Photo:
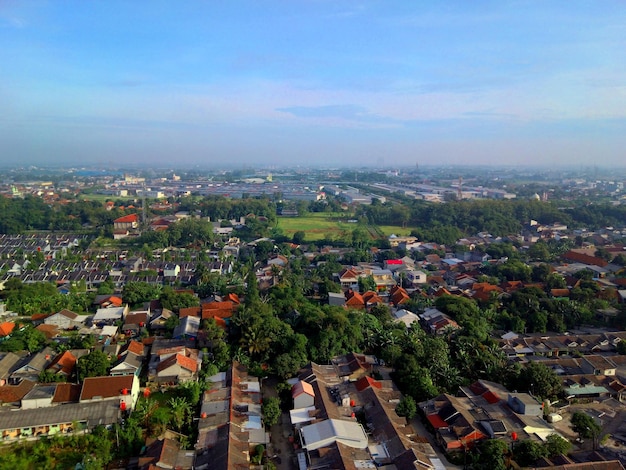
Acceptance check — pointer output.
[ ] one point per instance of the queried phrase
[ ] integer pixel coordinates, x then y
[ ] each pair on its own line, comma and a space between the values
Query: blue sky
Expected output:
311, 82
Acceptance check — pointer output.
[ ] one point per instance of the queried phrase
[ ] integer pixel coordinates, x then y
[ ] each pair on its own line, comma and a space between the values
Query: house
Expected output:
165, 453
349, 279
6, 328
177, 368
13, 394
31, 370
330, 431
436, 322
406, 317
303, 395
50, 331
126, 222
354, 300
110, 315
64, 320
159, 319
398, 296
128, 364
63, 364
597, 365
383, 278
123, 389
187, 328
8, 364
416, 277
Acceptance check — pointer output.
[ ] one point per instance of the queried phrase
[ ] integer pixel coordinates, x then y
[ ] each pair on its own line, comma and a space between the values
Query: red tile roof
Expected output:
585, 259
365, 382
183, 361
66, 393
64, 363
135, 347
302, 387
189, 312
14, 393
105, 387
6, 328
127, 219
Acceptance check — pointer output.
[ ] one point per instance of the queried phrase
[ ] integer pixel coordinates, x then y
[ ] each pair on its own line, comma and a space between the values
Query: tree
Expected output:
298, 237
586, 426
94, 364
271, 411
555, 445
407, 407
181, 411
491, 455
540, 380
527, 452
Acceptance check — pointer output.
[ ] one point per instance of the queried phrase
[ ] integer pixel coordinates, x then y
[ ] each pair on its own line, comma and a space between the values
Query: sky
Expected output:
313, 82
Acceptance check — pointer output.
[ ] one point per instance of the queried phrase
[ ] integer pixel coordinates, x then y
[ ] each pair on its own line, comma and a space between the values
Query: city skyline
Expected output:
284, 83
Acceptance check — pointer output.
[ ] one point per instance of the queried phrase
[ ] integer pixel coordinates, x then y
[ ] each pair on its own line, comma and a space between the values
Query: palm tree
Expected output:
180, 411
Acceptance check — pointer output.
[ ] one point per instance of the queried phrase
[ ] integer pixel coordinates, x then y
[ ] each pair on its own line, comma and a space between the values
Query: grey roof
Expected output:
41, 391
8, 364
101, 412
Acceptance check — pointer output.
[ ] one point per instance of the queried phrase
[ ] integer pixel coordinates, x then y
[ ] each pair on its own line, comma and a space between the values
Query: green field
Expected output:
320, 225
103, 197
399, 231
317, 225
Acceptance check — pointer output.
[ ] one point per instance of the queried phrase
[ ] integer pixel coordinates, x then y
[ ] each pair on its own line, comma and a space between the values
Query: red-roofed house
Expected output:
177, 369
126, 222
6, 328
584, 259
63, 364
124, 388
354, 299
365, 382
303, 395
398, 295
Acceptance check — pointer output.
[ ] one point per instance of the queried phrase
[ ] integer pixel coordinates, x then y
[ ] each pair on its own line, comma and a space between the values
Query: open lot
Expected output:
319, 225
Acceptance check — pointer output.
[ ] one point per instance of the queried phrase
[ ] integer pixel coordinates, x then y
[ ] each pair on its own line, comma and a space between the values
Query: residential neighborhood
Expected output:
190, 346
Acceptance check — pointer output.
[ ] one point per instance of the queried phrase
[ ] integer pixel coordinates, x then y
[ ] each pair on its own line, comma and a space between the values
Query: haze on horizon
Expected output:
313, 82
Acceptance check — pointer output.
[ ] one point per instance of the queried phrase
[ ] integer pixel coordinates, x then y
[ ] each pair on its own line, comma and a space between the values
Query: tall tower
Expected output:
459, 193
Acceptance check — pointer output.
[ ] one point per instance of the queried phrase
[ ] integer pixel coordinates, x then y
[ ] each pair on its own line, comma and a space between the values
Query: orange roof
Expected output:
371, 297
135, 347
585, 259
189, 312
365, 382
233, 298
39, 316
354, 299
127, 219
63, 364
302, 387
180, 359
49, 330
14, 393
218, 305
6, 328
105, 387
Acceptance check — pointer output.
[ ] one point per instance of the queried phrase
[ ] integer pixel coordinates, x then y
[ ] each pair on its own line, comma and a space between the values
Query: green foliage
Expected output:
527, 452
26, 338
137, 292
490, 455
271, 411
585, 425
540, 380
555, 445
94, 364
407, 407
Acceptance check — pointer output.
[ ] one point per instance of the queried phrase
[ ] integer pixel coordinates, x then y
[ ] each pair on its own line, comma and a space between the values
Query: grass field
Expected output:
319, 225
400, 231
316, 225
